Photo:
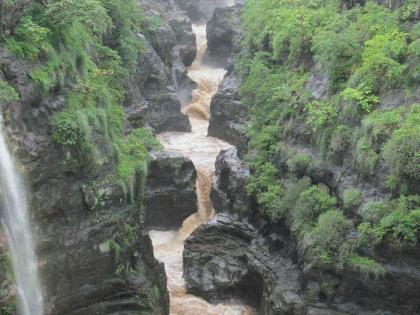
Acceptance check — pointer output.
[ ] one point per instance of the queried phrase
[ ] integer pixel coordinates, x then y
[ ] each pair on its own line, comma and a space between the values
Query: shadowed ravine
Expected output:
202, 150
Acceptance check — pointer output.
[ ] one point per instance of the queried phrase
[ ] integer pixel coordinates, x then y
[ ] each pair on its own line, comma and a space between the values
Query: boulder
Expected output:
170, 194
229, 258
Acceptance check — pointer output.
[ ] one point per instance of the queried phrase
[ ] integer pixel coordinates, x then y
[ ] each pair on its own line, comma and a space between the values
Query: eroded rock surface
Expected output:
241, 255
95, 256
170, 195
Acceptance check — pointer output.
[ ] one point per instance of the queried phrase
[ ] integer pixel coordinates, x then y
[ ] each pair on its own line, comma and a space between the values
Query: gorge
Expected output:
192, 157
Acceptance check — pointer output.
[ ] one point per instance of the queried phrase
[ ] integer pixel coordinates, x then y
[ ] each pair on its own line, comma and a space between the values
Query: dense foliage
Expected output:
363, 53
86, 50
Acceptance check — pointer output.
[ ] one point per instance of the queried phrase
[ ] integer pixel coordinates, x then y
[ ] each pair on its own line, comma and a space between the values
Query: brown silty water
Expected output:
202, 150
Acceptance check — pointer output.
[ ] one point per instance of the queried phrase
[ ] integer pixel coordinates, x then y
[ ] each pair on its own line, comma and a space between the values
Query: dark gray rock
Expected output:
200, 10
228, 115
228, 257
228, 193
224, 33
170, 195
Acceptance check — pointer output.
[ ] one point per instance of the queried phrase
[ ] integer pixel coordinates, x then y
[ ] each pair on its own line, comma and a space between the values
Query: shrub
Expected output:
381, 59
299, 165
379, 125
362, 96
367, 267
340, 140
352, 199
321, 114
7, 92
310, 204
30, 40
402, 152
328, 236
366, 158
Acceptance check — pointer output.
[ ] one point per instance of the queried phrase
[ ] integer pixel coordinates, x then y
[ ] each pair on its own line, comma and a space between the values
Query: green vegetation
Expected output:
366, 52
7, 92
86, 50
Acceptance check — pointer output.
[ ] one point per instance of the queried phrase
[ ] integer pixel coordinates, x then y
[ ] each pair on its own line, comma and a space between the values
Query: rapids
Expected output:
202, 150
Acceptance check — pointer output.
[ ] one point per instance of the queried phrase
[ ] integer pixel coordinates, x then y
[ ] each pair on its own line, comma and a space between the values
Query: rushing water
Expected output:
15, 220
202, 150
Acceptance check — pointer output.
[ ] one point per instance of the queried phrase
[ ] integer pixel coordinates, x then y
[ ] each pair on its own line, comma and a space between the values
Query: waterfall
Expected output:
15, 220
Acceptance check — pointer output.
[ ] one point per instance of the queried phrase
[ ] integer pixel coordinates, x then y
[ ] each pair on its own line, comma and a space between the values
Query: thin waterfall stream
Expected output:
16, 223
203, 151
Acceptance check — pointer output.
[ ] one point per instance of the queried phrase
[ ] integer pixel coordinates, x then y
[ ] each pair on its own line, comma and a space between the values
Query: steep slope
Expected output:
330, 224
84, 84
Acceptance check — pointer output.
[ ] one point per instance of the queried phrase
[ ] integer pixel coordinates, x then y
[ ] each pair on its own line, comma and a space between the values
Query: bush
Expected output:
367, 267
7, 92
321, 114
311, 203
326, 239
352, 199
402, 152
379, 125
30, 41
362, 96
299, 165
366, 158
395, 224
340, 140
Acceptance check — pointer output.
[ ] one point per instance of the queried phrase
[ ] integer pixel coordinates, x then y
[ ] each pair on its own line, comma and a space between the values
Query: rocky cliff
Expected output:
78, 152
254, 248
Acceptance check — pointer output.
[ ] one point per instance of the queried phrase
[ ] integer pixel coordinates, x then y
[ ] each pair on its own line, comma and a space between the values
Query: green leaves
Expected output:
30, 41
7, 92
320, 114
64, 14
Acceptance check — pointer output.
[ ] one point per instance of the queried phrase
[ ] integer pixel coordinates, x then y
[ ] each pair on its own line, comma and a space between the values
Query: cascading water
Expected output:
15, 220
202, 150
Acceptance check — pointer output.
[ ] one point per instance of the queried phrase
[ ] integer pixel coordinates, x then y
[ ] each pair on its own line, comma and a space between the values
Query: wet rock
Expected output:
228, 257
200, 10
94, 255
170, 195
228, 115
224, 33
164, 106
228, 193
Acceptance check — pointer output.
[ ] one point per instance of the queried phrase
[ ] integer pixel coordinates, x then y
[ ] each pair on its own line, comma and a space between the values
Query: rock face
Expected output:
228, 116
236, 254
94, 252
163, 81
201, 10
239, 254
228, 193
170, 195
223, 34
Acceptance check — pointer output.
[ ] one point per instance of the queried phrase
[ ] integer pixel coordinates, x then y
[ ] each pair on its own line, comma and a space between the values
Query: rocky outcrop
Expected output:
223, 35
228, 115
228, 193
170, 195
201, 10
239, 254
94, 253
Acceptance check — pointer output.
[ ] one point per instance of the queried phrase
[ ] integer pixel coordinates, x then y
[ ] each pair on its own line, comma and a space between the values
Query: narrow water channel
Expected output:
202, 150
